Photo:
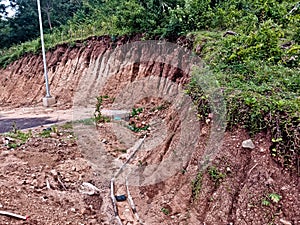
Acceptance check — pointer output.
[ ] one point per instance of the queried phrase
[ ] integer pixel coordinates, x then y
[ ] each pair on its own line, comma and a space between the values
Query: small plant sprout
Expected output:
216, 175
275, 197
165, 211
196, 186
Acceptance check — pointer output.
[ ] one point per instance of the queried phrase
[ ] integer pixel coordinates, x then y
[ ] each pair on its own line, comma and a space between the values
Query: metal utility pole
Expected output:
48, 100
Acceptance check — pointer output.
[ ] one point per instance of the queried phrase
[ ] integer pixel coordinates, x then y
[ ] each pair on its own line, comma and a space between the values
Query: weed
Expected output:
165, 211
275, 197
87, 121
196, 186
265, 202
215, 175
272, 197
136, 129
99, 118
46, 133
136, 111
19, 138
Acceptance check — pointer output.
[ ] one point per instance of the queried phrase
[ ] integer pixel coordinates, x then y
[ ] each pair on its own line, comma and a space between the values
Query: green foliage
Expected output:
272, 197
261, 86
265, 202
19, 138
197, 186
275, 197
99, 118
165, 211
46, 133
136, 111
136, 129
215, 175
260, 44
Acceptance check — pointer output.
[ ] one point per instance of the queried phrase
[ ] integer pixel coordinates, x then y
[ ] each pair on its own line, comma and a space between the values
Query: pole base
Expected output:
48, 101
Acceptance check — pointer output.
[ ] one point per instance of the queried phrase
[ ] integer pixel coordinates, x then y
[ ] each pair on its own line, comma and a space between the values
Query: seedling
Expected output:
216, 175
275, 197
136, 111
165, 211
99, 118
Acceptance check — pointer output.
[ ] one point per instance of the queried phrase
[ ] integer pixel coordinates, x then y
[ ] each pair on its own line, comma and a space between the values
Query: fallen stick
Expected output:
61, 183
5, 213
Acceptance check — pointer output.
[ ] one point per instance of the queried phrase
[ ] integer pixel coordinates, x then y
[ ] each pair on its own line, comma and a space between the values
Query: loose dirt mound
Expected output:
42, 179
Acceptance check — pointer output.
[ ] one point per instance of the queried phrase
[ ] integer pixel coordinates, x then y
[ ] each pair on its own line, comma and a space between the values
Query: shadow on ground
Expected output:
25, 123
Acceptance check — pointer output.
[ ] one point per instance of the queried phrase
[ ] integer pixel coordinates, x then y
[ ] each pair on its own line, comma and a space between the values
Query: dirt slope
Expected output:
241, 186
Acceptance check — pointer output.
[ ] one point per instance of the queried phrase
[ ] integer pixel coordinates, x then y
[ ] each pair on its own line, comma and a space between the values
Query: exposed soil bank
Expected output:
237, 188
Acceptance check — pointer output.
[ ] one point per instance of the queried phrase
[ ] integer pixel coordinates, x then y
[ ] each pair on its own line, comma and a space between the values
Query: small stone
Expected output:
248, 144
70, 145
85, 211
228, 169
203, 131
285, 222
73, 210
53, 135
261, 149
54, 173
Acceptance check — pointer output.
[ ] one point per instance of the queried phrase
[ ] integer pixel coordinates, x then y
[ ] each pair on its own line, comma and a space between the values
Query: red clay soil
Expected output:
42, 178
238, 197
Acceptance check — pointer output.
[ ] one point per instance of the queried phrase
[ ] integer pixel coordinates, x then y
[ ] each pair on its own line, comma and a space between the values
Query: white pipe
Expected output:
43, 50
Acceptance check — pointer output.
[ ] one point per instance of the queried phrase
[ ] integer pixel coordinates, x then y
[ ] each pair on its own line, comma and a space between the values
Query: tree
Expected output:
24, 25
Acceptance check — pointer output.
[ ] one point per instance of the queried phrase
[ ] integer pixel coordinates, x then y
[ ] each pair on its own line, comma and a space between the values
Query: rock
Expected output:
228, 170
53, 135
248, 144
73, 210
283, 221
54, 173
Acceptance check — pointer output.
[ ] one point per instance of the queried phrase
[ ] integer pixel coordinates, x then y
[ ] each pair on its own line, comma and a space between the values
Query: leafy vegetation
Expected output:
215, 175
16, 138
273, 197
196, 186
165, 211
99, 118
136, 111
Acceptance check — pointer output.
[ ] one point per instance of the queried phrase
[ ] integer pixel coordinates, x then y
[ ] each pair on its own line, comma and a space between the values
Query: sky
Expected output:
9, 10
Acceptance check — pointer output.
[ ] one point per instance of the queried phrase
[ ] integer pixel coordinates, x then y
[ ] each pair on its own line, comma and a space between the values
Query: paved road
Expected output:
25, 118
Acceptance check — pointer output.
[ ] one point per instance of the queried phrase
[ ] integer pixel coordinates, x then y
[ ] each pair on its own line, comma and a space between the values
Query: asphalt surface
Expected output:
26, 118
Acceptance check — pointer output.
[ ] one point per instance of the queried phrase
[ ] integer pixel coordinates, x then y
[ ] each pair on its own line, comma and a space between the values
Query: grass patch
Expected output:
261, 87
